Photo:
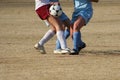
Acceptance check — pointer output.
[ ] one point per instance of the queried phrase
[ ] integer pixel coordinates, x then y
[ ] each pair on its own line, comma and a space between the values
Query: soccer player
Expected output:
42, 9
83, 12
66, 21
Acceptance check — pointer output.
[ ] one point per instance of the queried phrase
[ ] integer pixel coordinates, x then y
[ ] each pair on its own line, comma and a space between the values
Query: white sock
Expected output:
49, 34
47, 23
61, 38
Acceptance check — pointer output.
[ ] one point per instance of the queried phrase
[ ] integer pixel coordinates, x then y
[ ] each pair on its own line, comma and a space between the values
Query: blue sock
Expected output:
66, 34
80, 40
75, 40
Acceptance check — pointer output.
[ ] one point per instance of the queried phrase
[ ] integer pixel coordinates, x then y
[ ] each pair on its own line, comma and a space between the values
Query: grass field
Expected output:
20, 29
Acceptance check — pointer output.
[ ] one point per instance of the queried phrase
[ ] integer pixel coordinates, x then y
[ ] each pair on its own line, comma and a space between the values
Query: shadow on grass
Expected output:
108, 52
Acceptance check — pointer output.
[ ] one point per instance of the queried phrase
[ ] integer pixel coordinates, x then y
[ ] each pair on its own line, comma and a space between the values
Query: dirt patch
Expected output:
20, 29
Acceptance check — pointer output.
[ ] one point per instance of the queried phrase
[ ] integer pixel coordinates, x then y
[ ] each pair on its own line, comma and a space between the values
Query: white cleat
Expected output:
65, 51
62, 51
72, 51
40, 48
57, 51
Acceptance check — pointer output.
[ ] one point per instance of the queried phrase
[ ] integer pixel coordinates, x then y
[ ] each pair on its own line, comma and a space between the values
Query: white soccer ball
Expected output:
55, 10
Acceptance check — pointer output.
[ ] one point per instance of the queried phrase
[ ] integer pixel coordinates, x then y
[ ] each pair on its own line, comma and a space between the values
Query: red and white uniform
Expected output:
42, 8
39, 3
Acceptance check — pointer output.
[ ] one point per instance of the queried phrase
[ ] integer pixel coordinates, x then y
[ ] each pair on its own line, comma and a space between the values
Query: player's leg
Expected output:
43, 13
47, 23
86, 15
66, 33
66, 22
56, 22
78, 24
49, 34
58, 45
40, 45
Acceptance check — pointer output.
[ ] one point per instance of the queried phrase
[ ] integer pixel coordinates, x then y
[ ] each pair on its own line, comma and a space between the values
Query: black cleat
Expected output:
80, 48
76, 52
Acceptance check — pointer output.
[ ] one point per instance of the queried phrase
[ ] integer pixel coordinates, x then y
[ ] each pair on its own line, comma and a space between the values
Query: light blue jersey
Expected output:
82, 8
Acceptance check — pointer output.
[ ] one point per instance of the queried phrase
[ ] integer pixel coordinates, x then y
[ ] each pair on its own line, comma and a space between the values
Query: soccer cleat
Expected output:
71, 51
74, 52
40, 48
57, 51
65, 51
83, 46
62, 51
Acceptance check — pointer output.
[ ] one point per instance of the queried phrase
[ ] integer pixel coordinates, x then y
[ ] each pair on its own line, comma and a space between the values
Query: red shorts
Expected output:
43, 12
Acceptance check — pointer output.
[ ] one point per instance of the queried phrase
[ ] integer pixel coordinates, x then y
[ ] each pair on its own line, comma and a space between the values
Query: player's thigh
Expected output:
67, 23
79, 23
56, 22
53, 29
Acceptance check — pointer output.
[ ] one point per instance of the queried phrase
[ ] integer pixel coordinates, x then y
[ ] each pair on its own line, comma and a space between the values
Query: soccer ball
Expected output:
55, 10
